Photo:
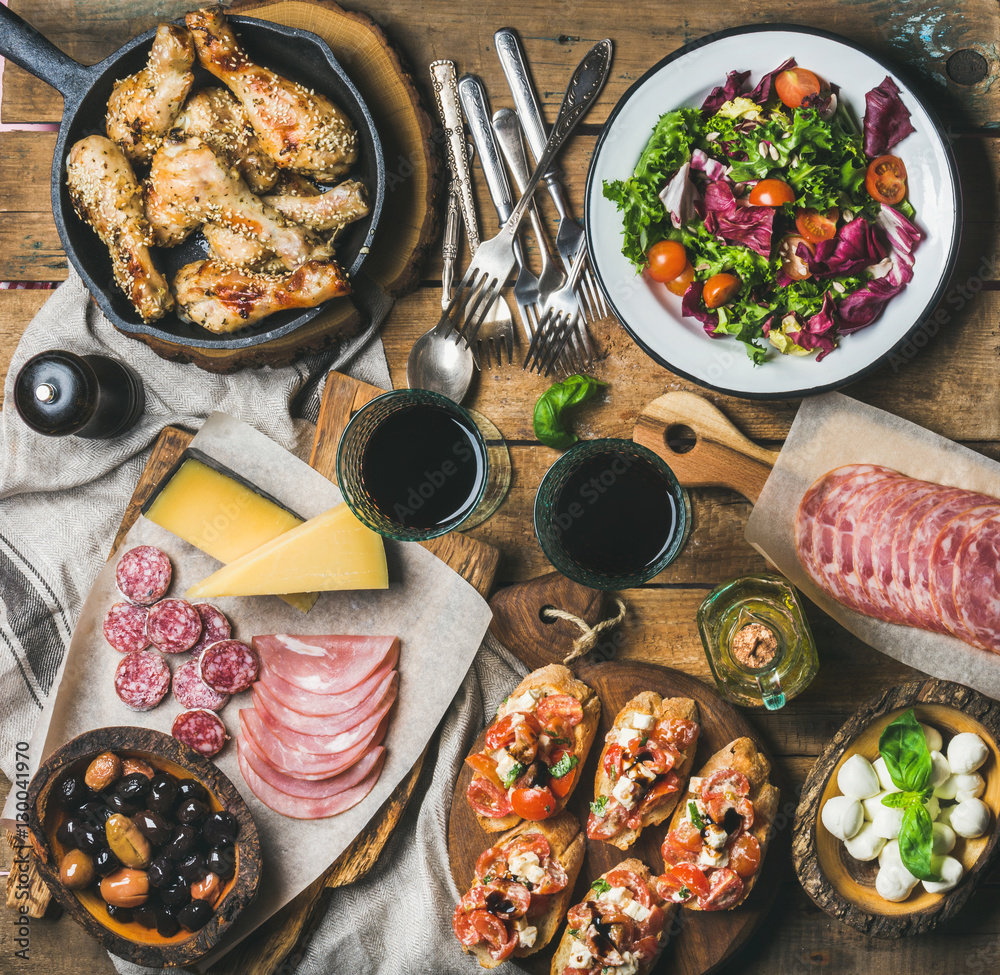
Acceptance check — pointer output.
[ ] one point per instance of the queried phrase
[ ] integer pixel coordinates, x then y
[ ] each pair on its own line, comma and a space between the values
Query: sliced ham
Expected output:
324, 664
307, 702
276, 715
303, 808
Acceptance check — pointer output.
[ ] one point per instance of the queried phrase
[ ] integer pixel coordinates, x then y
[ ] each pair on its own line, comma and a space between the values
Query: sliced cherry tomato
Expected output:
492, 863
791, 263
691, 876
659, 760
563, 786
507, 898
487, 799
485, 765
683, 844
680, 284
465, 931
473, 899
721, 288
744, 856
614, 760
771, 193
795, 84
616, 933
608, 825
620, 877
727, 781
498, 935
581, 915
534, 804
568, 710
727, 889
815, 226
666, 260
653, 924
886, 179
555, 879
646, 947
655, 796
678, 732
519, 737
529, 843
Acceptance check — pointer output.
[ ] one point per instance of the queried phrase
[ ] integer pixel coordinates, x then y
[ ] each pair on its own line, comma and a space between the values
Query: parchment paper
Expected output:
439, 617
830, 431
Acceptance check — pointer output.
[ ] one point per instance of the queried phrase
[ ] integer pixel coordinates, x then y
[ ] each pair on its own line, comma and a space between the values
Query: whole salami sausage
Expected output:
125, 627
214, 627
142, 680
228, 666
173, 625
201, 730
143, 575
192, 692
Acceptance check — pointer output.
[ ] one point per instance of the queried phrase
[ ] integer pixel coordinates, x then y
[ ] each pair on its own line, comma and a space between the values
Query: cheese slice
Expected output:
222, 517
331, 551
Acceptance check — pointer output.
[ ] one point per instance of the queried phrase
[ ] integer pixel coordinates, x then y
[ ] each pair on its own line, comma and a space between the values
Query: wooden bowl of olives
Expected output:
145, 843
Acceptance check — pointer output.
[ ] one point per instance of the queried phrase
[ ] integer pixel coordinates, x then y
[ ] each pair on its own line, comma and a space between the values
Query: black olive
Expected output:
162, 794
176, 895
90, 838
119, 804
64, 834
182, 843
94, 813
191, 811
123, 914
161, 872
195, 915
190, 789
105, 862
134, 787
153, 826
222, 861
220, 827
145, 915
167, 924
192, 868
73, 792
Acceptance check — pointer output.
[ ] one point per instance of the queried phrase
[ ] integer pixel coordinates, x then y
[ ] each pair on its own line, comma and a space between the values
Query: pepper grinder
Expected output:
59, 393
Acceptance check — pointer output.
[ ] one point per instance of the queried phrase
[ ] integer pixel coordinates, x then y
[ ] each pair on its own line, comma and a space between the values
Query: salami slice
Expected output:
125, 627
192, 692
201, 730
143, 575
142, 680
977, 583
174, 625
228, 666
214, 627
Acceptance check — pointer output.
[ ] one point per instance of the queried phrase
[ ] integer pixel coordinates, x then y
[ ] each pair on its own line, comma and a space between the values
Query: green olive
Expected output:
76, 870
126, 842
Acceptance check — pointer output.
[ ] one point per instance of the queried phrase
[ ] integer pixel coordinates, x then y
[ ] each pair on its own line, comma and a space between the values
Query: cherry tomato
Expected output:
520, 738
507, 898
563, 786
491, 863
771, 193
721, 288
655, 796
691, 876
685, 838
614, 760
727, 889
486, 766
794, 84
725, 781
566, 709
465, 931
487, 799
580, 915
720, 803
682, 282
608, 825
816, 227
533, 804
744, 856
659, 760
791, 263
622, 877
678, 732
501, 939
555, 879
473, 899
886, 179
666, 260
646, 948
528, 843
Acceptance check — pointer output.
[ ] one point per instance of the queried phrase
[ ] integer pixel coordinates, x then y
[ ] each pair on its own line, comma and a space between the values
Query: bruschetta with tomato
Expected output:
534, 750
715, 846
646, 759
620, 928
521, 891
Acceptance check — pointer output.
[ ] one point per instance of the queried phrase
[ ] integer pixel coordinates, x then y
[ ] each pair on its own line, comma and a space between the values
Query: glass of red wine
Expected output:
413, 465
610, 514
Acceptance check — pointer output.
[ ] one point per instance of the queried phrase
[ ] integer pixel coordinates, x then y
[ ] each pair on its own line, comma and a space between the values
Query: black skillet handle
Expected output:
23, 45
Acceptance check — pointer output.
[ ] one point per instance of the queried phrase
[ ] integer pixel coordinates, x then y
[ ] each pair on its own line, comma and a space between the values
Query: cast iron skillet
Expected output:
296, 54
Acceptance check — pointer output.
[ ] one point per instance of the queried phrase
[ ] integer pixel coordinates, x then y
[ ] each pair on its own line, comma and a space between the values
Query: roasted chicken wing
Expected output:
300, 129
143, 106
107, 196
223, 299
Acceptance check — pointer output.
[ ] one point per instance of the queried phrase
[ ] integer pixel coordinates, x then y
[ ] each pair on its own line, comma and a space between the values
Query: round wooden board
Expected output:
700, 942
845, 888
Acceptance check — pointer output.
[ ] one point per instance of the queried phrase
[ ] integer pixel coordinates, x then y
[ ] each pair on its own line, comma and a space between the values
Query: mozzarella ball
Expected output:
933, 807
933, 736
969, 785
890, 854
842, 816
947, 789
966, 752
943, 839
940, 770
894, 883
887, 822
857, 778
970, 818
872, 804
866, 844
883, 775
949, 870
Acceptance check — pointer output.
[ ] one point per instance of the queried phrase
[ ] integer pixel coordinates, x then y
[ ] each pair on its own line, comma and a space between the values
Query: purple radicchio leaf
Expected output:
824, 102
762, 92
820, 330
703, 163
749, 226
886, 119
678, 197
725, 93
855, 246
691, 307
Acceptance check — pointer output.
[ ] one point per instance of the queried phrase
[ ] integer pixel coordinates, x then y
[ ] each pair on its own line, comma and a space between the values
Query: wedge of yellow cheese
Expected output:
222, 517
332, 551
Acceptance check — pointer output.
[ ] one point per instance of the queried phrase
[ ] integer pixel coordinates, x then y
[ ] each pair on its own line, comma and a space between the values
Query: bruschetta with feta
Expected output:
534, 750
718, 836
521, 891
647, 756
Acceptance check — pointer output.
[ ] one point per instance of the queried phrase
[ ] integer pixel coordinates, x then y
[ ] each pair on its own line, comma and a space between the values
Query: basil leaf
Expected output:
513, 774
599, 807
600, 886
548, 420
897, 800
915, 841
904, 748
696, 819
565, 764
684, 893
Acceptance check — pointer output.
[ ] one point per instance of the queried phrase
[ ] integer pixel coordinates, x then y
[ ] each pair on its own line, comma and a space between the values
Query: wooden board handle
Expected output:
721, 456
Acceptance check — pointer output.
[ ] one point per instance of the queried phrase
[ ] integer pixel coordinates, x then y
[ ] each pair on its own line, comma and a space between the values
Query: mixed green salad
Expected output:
775, 218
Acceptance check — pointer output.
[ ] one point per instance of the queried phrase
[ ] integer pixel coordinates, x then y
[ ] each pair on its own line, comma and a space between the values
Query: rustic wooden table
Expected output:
949, 385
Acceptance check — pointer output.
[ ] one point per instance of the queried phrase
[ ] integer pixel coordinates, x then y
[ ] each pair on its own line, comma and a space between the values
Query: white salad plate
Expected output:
653, 316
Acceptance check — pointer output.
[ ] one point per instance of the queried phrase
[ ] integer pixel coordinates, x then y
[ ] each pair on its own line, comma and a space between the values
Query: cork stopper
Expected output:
754, 645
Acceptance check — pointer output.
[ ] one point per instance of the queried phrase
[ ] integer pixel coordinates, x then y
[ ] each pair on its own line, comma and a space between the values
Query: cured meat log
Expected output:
905, 551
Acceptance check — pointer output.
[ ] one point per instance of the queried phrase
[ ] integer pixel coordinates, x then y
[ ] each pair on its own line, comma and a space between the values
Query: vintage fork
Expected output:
558, 326
494, 260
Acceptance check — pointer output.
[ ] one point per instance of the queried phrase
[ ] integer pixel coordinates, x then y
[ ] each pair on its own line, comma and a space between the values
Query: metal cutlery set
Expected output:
554, 302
